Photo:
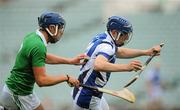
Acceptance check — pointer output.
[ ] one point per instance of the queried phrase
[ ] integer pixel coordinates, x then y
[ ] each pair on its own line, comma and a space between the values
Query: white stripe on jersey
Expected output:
98, 81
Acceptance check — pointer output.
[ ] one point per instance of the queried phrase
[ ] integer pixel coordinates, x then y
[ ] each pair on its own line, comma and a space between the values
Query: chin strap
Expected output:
117, 37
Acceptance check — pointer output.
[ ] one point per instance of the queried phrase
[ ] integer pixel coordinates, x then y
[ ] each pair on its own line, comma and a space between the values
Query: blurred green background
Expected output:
154, 21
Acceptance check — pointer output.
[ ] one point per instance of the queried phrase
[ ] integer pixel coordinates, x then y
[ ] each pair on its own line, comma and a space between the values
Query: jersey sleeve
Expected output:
38, 55
105, 49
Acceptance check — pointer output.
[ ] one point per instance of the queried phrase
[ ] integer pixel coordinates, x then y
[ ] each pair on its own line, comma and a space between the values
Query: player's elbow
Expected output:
41, 82
40, 85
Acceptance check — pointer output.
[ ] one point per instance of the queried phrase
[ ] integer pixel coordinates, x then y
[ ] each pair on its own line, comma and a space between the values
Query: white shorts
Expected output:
15, 102
96, 104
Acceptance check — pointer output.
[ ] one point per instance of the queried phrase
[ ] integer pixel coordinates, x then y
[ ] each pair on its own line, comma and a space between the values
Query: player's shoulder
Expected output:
105, 45
33, 38
101, 36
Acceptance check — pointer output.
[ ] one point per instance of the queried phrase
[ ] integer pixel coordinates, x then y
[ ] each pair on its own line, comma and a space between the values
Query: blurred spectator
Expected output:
4, 1
1, 108
136, 6
153, 84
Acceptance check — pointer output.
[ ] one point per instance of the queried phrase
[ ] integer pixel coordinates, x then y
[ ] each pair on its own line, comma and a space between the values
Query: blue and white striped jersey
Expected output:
102, 44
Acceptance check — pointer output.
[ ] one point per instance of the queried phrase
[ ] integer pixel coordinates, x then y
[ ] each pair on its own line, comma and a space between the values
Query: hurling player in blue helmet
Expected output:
29, 67
102, 52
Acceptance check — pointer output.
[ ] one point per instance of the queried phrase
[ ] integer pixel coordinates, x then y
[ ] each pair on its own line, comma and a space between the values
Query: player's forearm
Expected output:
101, 64
110, 67
51, 80
53, 59
131, 53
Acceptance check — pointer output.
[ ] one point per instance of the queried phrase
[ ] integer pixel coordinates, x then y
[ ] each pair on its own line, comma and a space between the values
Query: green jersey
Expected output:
31, 54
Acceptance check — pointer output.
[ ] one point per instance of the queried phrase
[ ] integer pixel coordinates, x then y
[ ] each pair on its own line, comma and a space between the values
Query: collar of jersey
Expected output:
41, 36
109, 37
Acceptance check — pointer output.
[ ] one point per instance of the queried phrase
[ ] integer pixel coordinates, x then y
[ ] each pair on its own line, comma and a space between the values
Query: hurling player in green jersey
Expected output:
29, 67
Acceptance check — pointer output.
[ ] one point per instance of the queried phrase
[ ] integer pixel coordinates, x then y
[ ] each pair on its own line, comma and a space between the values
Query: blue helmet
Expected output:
120, 24
50, 18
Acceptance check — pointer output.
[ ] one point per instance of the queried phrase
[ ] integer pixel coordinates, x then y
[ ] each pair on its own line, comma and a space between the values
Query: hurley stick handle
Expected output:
146, 63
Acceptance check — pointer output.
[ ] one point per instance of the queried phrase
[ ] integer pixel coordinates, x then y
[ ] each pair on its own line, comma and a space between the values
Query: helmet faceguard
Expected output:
52, 19
122, 26
130, 34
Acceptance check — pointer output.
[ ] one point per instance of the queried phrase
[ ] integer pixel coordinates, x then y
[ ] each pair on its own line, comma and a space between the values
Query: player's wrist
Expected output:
67, 78
68, 81
147, 52
70, 61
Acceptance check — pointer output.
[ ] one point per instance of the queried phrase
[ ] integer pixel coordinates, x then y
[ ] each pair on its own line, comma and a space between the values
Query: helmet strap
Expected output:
50, 35
111, 36
115, 39
56, 31
118, 36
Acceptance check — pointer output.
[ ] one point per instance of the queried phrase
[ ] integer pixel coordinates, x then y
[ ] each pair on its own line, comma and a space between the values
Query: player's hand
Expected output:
134, 65
72, 81
155, 49
79, 59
